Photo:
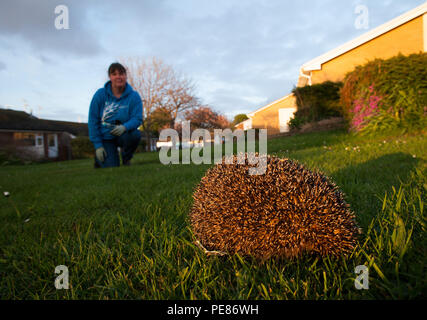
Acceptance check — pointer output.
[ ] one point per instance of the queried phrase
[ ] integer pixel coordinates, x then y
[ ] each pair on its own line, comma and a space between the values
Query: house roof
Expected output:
241, 122
20, 120
316, 63
268, 105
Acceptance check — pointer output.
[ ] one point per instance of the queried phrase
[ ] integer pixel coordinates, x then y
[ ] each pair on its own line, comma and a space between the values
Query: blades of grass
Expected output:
264, 290
122, 231
373, 264
79, 241
61, 244
325, 285
250, 291
88, 231
313, 264
142, 238
384, 202
406, 246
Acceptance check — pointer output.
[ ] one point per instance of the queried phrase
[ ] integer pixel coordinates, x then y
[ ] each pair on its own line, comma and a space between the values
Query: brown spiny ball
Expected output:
287, 211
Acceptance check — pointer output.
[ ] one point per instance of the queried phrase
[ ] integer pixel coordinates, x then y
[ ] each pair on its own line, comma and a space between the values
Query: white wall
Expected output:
285, 114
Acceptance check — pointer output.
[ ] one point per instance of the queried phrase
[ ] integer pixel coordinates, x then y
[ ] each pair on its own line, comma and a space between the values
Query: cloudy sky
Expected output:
242, 54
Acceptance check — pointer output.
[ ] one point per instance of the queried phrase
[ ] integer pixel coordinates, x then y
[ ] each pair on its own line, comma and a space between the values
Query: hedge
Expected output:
316, 102
385, 94
82, 147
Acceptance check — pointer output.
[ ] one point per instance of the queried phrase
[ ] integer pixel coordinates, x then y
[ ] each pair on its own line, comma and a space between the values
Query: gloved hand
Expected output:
100, 154
118, 130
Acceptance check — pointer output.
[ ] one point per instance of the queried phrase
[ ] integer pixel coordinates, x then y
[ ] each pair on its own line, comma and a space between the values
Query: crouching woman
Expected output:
115, 114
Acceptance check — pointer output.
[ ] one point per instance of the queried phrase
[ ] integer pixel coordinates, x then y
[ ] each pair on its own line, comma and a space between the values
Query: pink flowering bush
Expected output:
371, 113
386, 95
364, 109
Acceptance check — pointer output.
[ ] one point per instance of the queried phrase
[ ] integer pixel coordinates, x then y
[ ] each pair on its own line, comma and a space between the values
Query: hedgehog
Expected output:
286, 212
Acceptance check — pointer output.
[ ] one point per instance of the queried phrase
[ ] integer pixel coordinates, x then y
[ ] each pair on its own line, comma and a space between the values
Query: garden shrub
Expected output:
9, 155
385, 95
316, 102
82, 147
297, 121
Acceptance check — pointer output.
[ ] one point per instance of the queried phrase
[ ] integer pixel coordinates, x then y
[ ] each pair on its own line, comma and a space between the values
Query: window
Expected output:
28, 139
39, 141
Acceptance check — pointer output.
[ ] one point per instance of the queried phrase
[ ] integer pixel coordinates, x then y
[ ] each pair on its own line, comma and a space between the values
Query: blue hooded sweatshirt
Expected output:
106, 111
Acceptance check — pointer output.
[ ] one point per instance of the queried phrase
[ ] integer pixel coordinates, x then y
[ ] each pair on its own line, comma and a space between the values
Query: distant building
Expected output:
405, 34
274, 117
36, 138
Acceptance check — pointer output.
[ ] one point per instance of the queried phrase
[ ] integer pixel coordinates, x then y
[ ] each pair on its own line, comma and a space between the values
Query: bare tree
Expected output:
180, 97
160, 87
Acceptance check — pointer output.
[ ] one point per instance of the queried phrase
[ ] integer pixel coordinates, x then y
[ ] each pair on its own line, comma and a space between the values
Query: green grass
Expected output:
123, 232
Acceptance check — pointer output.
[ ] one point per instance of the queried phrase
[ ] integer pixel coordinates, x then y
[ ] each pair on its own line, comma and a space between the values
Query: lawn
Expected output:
123, 232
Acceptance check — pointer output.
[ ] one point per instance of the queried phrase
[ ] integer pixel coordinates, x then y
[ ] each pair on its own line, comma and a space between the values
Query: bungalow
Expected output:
405, 34
34, 138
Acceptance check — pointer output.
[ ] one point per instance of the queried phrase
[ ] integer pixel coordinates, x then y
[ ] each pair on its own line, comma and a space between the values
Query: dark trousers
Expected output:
128, 142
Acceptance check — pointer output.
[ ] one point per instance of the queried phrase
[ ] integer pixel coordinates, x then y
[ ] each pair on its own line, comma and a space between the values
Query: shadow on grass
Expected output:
366, 183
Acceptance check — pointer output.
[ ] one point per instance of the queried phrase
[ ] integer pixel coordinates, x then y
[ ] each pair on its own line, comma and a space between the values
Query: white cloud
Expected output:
242, 54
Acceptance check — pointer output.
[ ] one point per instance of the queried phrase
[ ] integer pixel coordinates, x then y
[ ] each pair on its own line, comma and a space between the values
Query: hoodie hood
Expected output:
128, 90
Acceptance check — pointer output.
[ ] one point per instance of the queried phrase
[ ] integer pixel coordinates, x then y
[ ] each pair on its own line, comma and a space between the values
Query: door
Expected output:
52, 140
285, 115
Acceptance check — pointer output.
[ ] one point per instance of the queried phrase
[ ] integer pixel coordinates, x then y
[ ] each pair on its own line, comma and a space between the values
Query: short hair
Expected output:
116, 66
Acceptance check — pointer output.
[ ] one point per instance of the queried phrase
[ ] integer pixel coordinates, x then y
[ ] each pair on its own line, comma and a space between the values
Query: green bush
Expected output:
9, 157
82, 147
297, 121
316, 102
385, 95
